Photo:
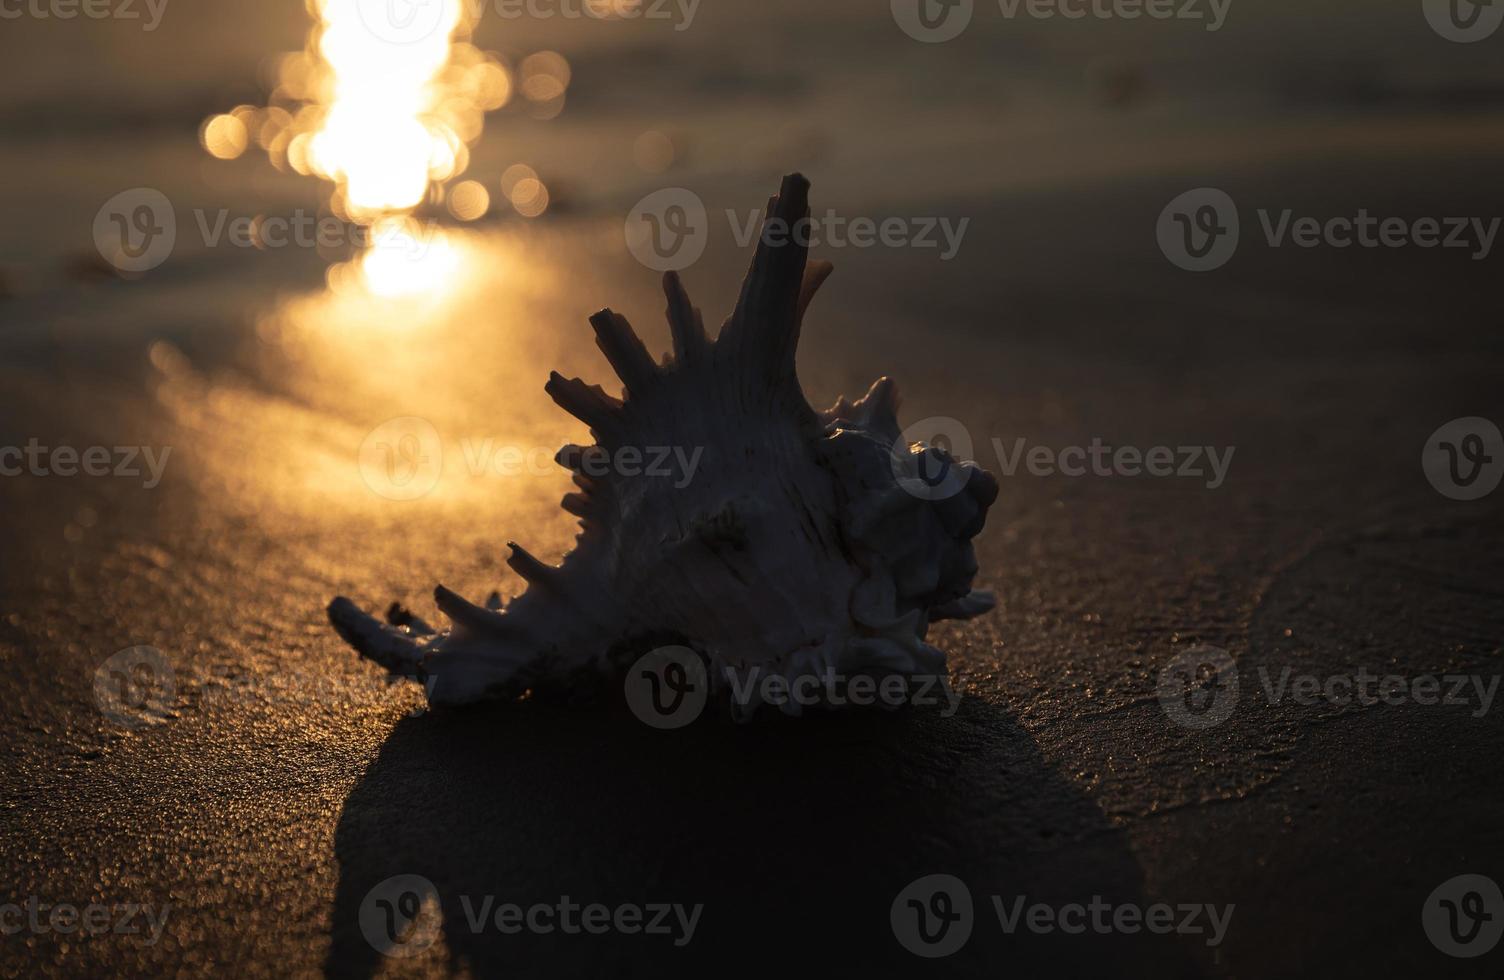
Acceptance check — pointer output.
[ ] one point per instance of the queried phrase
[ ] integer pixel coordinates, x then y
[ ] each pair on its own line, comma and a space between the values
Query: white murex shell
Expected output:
803, 543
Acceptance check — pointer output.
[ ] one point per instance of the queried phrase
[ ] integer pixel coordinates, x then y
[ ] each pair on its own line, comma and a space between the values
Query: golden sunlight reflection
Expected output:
224, 136
469, 200
530, 197
545, 79
384, 102
413, 381
524, 190
384, 137
406, 259
385, 110
331, 370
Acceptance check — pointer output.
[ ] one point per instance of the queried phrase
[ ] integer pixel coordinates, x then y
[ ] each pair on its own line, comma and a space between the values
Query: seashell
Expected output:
803, 543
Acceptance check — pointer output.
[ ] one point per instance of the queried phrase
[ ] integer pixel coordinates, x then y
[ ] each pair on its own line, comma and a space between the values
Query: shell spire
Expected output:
762, 333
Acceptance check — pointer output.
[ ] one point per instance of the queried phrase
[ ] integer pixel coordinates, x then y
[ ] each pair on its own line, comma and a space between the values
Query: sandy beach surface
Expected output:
284, 778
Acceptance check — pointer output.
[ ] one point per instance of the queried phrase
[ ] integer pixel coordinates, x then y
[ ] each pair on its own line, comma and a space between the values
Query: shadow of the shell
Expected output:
796, 835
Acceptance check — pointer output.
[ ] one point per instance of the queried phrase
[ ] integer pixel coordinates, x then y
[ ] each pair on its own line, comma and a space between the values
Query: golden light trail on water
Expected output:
384, 102
384, 139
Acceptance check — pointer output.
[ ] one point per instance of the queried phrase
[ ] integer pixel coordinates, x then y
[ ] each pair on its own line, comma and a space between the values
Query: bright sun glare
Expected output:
388, 117
405, 259
384, 138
